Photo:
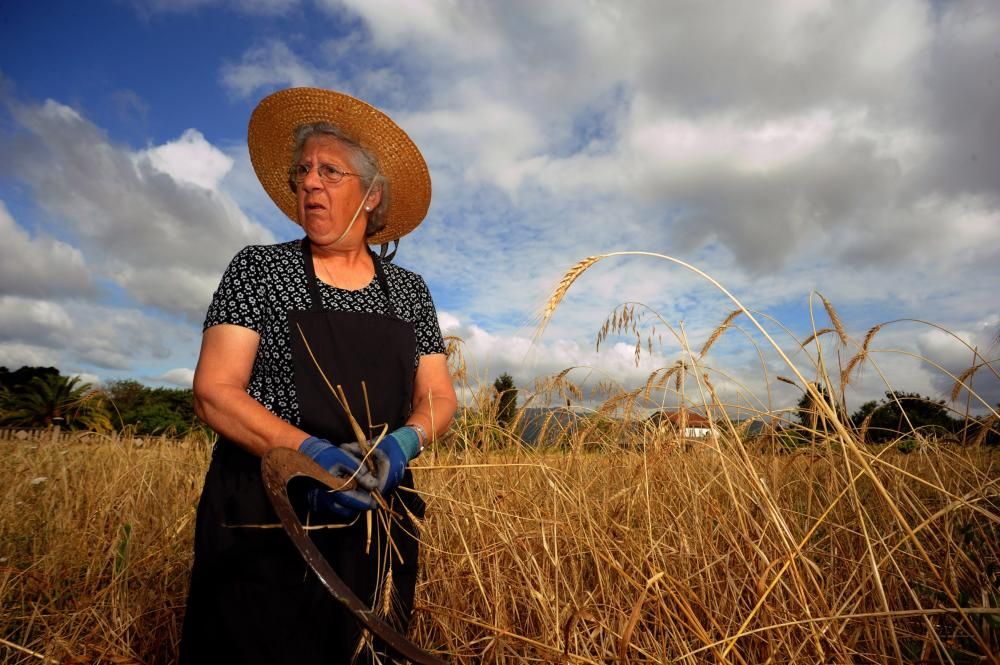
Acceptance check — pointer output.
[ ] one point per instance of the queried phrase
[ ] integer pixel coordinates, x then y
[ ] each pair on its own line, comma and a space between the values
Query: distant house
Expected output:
692, 424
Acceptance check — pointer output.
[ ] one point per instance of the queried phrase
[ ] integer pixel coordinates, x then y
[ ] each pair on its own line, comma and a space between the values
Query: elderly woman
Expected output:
286, 319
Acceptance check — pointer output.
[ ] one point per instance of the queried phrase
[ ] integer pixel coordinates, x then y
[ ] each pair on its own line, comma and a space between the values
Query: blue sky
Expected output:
782, 147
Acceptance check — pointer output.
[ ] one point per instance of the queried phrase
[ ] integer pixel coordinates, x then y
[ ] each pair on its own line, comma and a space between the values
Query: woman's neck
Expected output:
344, 268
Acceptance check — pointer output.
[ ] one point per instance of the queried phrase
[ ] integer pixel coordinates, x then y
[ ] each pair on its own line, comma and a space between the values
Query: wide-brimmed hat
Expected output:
271, 139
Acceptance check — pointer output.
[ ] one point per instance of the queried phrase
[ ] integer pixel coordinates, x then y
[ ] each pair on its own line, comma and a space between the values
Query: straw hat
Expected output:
271, 140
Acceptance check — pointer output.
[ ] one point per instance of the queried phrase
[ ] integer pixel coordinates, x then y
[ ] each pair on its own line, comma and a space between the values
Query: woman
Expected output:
286, 319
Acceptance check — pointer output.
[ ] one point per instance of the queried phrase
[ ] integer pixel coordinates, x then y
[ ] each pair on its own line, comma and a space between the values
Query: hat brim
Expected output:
271, 140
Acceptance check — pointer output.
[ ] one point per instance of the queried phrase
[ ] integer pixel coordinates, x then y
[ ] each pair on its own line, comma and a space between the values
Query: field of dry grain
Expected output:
613, 540
594, 553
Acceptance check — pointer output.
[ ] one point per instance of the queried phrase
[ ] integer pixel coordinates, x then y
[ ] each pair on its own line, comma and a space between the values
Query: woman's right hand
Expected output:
340, 464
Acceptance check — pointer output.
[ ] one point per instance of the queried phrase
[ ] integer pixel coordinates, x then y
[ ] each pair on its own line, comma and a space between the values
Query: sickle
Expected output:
278, 467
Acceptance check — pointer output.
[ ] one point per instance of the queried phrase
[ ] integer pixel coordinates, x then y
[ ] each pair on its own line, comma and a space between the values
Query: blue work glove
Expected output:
391, 456
340, 464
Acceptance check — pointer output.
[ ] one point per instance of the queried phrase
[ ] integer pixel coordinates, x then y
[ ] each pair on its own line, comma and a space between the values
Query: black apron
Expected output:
252, 597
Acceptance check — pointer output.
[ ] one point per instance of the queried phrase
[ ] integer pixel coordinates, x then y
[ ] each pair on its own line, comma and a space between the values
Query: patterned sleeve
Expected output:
239, 300
426, 326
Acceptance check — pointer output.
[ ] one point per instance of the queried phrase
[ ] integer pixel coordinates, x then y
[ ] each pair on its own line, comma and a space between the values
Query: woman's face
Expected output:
325, 208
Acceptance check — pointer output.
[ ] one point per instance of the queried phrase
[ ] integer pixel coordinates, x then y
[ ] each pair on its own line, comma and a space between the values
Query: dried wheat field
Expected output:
595, 553
613, 539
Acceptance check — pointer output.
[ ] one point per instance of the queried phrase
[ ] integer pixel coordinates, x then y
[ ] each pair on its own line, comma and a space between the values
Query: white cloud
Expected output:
433, 25
489, 135
77, 334
782, 146
163, 240
40, 266
179, 376
674, 144
758, 146
956, 351
14, 355
33, 322
448, 322
190, 159
271, 65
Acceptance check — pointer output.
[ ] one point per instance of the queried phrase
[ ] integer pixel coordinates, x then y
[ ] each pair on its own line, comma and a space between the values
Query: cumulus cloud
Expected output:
448, 322
764, 133
34, 322
956, 351
182, 377
271, 65
190, 159
41, 266
527, 357
77, 333
781, 146
153, 221
19, 355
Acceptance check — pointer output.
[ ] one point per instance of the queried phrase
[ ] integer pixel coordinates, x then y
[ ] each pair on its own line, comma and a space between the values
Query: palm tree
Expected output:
55, 399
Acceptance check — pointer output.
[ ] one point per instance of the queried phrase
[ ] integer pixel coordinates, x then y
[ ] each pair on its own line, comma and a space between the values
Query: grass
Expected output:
617, 542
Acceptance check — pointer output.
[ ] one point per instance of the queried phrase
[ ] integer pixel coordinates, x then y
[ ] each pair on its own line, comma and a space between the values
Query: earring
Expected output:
368, 208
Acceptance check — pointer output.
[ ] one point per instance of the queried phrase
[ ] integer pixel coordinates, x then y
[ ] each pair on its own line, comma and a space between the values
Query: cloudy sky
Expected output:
782, 147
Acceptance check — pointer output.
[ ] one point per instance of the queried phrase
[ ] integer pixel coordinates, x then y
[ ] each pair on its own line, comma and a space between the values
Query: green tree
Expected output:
56, 400
810, 411
126, 396
152, 410
24, 375
900, 413
506, 399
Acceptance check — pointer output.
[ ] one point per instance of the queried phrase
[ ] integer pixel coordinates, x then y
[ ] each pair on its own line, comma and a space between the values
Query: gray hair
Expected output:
361, 161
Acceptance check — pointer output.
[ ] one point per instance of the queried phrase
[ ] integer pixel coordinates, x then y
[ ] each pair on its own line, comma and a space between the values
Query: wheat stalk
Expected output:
860, 356
821, 331
962, 379
834, 319
717, 333
564, 284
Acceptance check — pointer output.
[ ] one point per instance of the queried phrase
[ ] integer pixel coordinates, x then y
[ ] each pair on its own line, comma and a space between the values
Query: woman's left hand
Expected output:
390, 455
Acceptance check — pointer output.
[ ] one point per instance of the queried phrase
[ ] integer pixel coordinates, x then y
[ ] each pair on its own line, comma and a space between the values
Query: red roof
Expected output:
693, 419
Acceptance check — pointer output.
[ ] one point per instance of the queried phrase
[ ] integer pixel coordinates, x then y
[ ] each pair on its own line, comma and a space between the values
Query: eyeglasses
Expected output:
326, 172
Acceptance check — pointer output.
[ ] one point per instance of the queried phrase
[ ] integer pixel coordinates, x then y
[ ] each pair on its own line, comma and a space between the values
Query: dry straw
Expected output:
717, 333
614, 542
859, 358
834, 319
536, 555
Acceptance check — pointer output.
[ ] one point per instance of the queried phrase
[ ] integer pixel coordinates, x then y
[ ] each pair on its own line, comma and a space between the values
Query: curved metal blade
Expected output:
278, 467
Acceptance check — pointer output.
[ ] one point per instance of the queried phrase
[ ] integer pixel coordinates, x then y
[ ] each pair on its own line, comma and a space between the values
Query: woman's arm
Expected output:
220, 397
434, 400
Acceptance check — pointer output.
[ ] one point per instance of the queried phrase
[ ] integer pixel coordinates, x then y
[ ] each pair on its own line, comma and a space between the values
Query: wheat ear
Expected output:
834, 319
564, 284
860, 356
961, 381
821, 331
717, 333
